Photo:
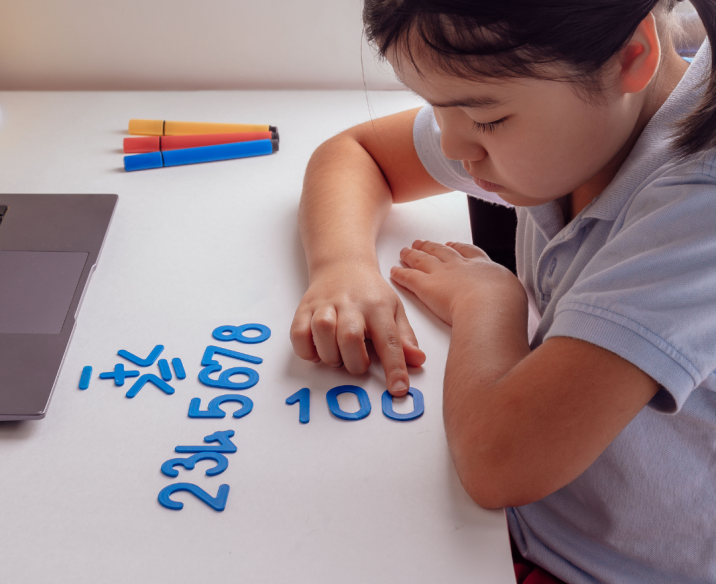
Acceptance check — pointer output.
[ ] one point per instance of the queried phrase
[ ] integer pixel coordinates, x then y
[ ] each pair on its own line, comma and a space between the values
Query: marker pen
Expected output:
202, 154
166, 128
164, 143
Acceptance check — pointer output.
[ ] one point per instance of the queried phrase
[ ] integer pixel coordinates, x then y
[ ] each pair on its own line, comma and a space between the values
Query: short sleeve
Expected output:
649, 294
450, 173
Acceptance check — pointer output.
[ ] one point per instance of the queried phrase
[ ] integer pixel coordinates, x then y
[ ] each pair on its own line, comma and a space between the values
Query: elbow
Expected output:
484, 487
492, 476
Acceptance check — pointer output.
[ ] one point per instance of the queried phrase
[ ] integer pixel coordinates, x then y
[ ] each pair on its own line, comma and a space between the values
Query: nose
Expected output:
458, 139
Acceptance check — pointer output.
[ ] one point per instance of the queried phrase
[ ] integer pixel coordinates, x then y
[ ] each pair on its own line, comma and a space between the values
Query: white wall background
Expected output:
187, 44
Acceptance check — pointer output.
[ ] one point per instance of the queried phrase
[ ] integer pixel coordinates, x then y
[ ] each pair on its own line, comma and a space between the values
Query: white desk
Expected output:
192, 248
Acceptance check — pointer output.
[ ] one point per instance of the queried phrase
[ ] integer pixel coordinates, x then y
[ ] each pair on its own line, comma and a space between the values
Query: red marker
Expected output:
162, 143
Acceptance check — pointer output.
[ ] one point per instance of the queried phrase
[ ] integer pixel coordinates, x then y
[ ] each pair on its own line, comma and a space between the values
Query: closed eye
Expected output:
488, 127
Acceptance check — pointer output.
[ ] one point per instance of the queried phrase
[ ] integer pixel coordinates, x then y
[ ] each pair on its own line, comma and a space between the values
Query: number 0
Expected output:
359, 392
418, 406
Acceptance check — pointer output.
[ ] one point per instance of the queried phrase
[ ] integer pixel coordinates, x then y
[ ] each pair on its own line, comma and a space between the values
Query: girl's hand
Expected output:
447, 276
344, 306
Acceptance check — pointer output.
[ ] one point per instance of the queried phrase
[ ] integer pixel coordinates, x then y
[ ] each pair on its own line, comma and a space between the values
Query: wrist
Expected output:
351, 264
503, 299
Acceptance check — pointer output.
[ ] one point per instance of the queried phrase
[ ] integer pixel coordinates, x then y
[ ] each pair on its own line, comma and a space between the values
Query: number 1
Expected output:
303, 397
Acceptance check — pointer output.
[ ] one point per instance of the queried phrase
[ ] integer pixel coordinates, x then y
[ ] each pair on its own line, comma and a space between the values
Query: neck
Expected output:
671, 72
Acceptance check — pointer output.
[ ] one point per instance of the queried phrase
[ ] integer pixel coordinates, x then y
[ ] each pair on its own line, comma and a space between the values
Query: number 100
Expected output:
303, 398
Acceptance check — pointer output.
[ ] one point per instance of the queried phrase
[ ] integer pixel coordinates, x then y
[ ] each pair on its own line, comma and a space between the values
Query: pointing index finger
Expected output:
386, 339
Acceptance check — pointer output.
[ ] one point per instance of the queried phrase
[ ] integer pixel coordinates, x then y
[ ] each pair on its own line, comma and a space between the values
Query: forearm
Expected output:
344, 203
520, 423
489, 338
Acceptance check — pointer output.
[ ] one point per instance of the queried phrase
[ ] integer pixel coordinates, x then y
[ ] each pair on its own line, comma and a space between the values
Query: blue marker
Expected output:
202, 154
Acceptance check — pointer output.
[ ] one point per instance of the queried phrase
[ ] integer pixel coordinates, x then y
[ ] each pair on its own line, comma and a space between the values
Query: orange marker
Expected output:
163, 143
166, 128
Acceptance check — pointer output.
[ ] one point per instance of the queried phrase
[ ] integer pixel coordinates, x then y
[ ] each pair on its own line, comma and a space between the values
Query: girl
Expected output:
597, 430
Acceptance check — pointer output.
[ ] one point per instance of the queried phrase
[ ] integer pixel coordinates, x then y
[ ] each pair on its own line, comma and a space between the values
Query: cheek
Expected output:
560, 151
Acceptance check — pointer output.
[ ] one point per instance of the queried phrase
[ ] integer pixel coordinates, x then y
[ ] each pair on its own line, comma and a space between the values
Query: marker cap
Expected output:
198, 140
146, 127
143, 144
143, 161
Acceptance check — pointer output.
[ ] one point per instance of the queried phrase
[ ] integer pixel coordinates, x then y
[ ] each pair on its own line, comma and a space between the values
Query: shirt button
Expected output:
552, 266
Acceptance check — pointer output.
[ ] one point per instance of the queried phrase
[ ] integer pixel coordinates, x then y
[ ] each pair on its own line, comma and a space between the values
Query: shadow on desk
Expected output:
18, 430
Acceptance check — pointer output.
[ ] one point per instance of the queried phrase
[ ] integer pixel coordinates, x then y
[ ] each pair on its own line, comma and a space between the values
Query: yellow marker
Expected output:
162, 128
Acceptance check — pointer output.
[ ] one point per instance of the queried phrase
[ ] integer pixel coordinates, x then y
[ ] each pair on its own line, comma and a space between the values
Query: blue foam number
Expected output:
217, 503
223, 438
211, 350
156, 351
224, 381
418, 406
149, 378
178, 368
85, 377
211, 365
303, 397
363, 400
213, 409
118, 374
164, 370
236, 333
222, 463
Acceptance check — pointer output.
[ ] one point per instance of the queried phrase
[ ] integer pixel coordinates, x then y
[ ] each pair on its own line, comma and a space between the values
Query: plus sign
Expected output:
119, 374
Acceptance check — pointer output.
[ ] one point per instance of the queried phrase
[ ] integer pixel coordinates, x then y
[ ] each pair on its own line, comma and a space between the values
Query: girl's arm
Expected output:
520, 424
350, 183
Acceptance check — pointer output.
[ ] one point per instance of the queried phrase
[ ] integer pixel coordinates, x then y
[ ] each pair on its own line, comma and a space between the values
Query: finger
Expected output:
350, 336
468, 251
389, 347
407, 278
302, 337
419, 260
323, 327
442, 252
414, 357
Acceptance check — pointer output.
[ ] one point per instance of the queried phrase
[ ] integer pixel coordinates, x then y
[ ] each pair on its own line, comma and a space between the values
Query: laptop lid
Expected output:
49, 247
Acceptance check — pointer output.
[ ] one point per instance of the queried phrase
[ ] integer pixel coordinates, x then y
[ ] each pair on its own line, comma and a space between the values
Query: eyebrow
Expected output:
483, 102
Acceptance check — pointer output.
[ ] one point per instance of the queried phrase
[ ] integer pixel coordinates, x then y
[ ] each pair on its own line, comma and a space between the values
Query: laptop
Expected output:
49, 248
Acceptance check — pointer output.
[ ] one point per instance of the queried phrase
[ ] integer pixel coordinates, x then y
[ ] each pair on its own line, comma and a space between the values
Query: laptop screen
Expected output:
36, 289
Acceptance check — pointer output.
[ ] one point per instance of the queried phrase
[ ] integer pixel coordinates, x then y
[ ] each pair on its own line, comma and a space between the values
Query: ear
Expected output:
639, 59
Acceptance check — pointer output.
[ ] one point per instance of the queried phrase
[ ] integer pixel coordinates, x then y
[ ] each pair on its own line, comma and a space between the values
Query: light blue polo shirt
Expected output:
635, 273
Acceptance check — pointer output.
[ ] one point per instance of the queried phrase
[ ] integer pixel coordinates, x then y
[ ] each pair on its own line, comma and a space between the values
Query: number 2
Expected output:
217, 503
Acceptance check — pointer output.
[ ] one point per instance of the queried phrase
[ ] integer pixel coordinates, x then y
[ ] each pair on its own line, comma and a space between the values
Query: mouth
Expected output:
486, 185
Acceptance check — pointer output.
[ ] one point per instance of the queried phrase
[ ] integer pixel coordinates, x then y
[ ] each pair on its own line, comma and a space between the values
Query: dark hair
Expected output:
522, 38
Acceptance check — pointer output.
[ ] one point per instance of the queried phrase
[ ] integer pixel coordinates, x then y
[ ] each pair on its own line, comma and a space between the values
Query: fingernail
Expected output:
316, 360
399, 385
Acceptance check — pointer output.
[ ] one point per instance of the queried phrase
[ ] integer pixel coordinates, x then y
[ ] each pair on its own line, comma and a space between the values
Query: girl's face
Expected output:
528, 140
